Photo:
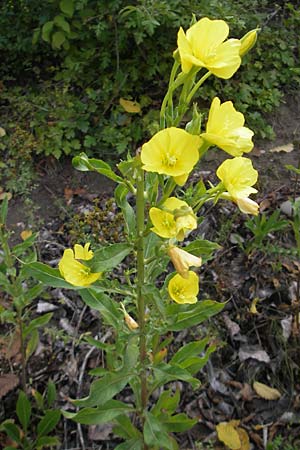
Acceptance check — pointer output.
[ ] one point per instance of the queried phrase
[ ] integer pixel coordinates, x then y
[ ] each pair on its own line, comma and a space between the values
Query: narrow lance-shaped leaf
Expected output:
108, 257
193, 314
83, 163
104, 304
23, 410
101, 414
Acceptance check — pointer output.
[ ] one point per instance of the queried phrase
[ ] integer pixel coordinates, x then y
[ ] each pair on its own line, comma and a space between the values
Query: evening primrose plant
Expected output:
159, 299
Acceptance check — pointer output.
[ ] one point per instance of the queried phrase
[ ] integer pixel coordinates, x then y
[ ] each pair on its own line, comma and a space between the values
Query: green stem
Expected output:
197, 86
169, 95
140, 221
168, 189
23, 351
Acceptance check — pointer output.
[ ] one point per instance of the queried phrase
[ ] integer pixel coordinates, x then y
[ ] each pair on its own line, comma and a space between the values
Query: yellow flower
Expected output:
73, 271
172, 152
238, 176
184, 290
175, 220
203, 46
183, 260
248, 41
225, 129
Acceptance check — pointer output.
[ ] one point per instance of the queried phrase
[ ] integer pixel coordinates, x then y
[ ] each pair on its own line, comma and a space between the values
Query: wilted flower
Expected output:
225, 129
73, 271
238, 176
184, 290
174, 220
130, 322
203, 46
172, 152
183, 260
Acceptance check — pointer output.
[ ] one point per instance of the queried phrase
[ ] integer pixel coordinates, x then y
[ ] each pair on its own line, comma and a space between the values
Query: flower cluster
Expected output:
174, 152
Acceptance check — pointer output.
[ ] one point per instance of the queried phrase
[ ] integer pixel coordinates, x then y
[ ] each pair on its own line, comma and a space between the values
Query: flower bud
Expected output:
248, 41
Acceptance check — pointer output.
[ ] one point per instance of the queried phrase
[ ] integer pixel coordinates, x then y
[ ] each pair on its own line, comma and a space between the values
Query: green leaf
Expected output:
108, 257
193, 365
67, 7
61, 22
155, 434
179, 423
121, 193
32, 343
58, 39
164, 373
193, 314
51, 393
3, 210
37, 323
19, 249
132, 444
33, 292
101, 414
12, 431
39, 399
125, 429
104, 304
23, 410
166, 402
47, 441
83, 163
47, 275
203, 248
105, 389
46, 30
189, 350
292, 168
48, 422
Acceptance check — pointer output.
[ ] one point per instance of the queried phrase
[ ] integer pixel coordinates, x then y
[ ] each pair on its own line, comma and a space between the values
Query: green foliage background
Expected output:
66, 63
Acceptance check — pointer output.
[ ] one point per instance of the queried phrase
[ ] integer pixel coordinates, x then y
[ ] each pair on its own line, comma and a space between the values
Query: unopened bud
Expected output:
248, 41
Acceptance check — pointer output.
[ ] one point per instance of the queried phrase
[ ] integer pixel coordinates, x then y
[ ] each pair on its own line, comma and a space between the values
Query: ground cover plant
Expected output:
241, 402
60, 108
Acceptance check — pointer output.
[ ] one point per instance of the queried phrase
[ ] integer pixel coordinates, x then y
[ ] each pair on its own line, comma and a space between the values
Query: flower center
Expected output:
170, 160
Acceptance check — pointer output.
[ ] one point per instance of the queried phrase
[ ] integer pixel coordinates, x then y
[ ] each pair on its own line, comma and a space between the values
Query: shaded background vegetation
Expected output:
66, 63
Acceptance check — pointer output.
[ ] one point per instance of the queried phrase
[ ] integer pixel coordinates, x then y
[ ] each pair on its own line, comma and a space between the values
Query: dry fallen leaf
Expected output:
130, 106
265, 391
25, 234
244, 438
232, 327
283, 148
8, 382
5, 194
253, 309
228, 434
254, 352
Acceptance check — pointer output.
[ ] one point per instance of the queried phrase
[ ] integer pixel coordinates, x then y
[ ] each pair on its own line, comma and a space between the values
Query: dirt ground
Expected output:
252, 346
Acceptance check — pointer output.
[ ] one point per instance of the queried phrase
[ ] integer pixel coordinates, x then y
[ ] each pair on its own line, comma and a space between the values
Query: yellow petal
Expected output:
164, 223
228, 434
75, 272
171, 151
225, 129
26, 234
83, 252
237, 176
130, 106
184, 290
203, 46
265, 391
